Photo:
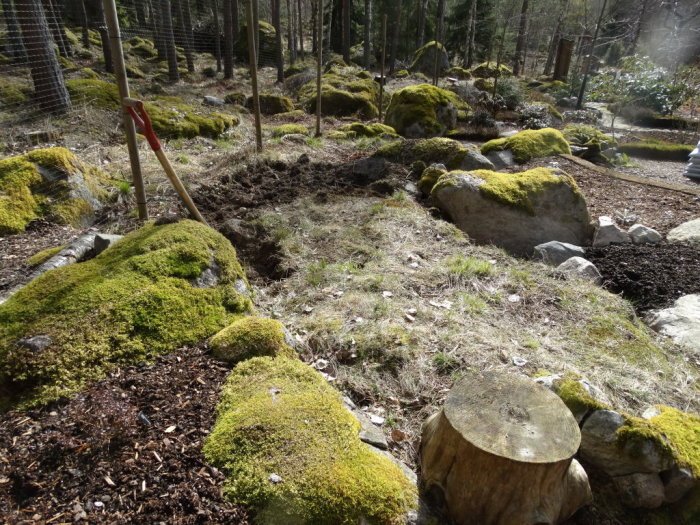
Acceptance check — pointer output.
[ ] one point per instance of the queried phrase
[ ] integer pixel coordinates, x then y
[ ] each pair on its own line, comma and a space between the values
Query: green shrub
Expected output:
678, 152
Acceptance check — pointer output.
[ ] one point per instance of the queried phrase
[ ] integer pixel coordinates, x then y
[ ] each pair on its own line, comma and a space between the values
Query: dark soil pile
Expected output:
128, 450
651, 276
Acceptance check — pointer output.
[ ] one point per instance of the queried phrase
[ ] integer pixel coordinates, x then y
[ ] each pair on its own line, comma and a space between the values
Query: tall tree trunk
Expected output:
56, 24
472, 34
582, 91
638, 28
368, 34
300, 16
217, 36
347, 9
14, 47
314, 37
49, 86
276, 21
85, 23
158, 41
256, 30
189, 37
169, 39
438, 39
395, 36
228, 38
520, 43
422, 16
291, 44
554, 43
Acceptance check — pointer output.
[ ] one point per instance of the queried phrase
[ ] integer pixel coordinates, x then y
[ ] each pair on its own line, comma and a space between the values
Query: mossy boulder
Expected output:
235, 97
530, 144
489, 70
268, 44
93, 92
424, 60
423, 110
434, 150
142, 47
86, 72
429, 178
49, 183
289, 129
172, 118
515, 211
13, 94
345, 92
299, 66
484, 84
291, 451
369, 130
272, 104
156, 289
459, 73
251, 337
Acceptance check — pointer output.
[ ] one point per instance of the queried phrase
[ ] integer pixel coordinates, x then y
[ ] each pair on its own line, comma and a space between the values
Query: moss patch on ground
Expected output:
423, 111
369, 130
12, 94
530, 144
172, 118
434, 150
576, 397
138, 299
94, 92
289, 129
279, 416
44, 255
657, 151
251, 337
345, 92
48, 182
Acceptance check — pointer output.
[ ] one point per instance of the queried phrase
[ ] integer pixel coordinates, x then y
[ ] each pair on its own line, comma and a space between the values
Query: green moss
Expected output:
299, 66
66, 63
424, 58
423, 110
484, 84
429, 178
434, 150
664, 151
130, 303
402, 74
289, 129
266, 41
369, 130
44, 255
489, 70
94, 92
272, 104
235, 98
251, 337
142, 47
134, 72
71, 36
86, 72
345, 92
26, 195
588, 136
575, 396
172, 118
13, 94
459, 72
279, 416
530, 144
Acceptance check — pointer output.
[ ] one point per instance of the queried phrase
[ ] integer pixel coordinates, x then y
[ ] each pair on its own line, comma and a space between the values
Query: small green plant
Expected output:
316, 273
461, 266
445, 364
314, 142
124, 187
182, 159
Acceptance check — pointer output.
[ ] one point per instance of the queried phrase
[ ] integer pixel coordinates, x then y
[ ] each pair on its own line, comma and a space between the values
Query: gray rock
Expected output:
579, 151
241, 287
508, 133
474, 160
644, 235
599, 447
104, 241
582, 268
369, 433
688, 232
567, 102
553, 382
213, 101
209, 277
239, 232
424, 59
681, 321
608, 233
370, 168
554, 252
677, 483
640, 491
501, 159
558, 212
36, 343
296, 138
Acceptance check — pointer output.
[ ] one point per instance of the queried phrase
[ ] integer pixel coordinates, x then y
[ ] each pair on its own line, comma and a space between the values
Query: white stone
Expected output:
688, 232
681, 322
582, 268
501, 159
641, 234
608, 232
554, 252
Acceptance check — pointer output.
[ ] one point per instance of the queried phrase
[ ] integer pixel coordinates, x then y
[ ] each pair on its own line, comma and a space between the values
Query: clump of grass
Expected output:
468, 267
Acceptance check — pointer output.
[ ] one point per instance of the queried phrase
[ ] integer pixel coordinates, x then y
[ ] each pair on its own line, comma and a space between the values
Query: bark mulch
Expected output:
127, 450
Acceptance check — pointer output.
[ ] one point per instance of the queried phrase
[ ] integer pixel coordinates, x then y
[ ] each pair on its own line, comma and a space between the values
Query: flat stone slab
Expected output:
681, 322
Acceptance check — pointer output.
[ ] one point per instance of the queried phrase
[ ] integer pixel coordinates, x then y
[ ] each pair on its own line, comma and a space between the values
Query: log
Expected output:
501, 452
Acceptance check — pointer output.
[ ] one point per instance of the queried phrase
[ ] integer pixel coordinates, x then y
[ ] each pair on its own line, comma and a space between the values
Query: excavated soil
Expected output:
128, 450
651, 276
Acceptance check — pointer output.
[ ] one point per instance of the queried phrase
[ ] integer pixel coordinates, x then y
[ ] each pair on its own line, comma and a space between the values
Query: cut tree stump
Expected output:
501, 452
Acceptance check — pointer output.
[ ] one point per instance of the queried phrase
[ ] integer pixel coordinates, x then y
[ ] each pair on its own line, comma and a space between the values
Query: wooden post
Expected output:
110, 12
563, 61
254, 73
319, 67
501, 452
381, 71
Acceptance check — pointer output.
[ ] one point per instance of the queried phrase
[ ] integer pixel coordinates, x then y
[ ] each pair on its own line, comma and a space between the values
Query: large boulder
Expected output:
51, 183
345, 92
530, 144
173, 118
489, 70
158, 288
435, 150
515, 211
688, 232
423, 110
425, 58
268, 44
680, 321
271, 104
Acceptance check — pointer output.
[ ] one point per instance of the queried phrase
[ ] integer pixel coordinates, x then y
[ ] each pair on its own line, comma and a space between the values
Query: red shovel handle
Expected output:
142, 121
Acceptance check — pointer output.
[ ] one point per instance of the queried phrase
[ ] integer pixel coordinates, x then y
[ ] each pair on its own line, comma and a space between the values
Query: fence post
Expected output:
252, 58
110, 12
319, 66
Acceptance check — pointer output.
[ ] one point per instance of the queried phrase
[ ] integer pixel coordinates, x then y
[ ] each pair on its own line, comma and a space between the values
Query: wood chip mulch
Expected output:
127, 450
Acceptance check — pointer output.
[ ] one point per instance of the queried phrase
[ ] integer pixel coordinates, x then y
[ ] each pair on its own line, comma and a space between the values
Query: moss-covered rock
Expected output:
142, 47
588, 136
133, 71
489, 70
13, 94
144, 296
94, 92
429, 178
402, 73
434, 150
299, 66
289, 129
267, 42
459, 73
43, 256
172, 118
424, 59
657, 150
86, 72
272, 104
66, 63
251, 337
369, 130
280, 417
530, 144
49, 183
423, 110
484, 84
345, 92
235, 97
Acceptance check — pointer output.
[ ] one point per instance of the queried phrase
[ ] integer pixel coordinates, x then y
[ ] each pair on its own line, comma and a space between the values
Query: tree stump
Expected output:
501, 452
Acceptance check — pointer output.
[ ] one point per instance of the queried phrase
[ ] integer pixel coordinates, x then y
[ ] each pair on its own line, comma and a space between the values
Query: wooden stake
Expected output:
381, 80
319, 67
110, 13
254, 73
